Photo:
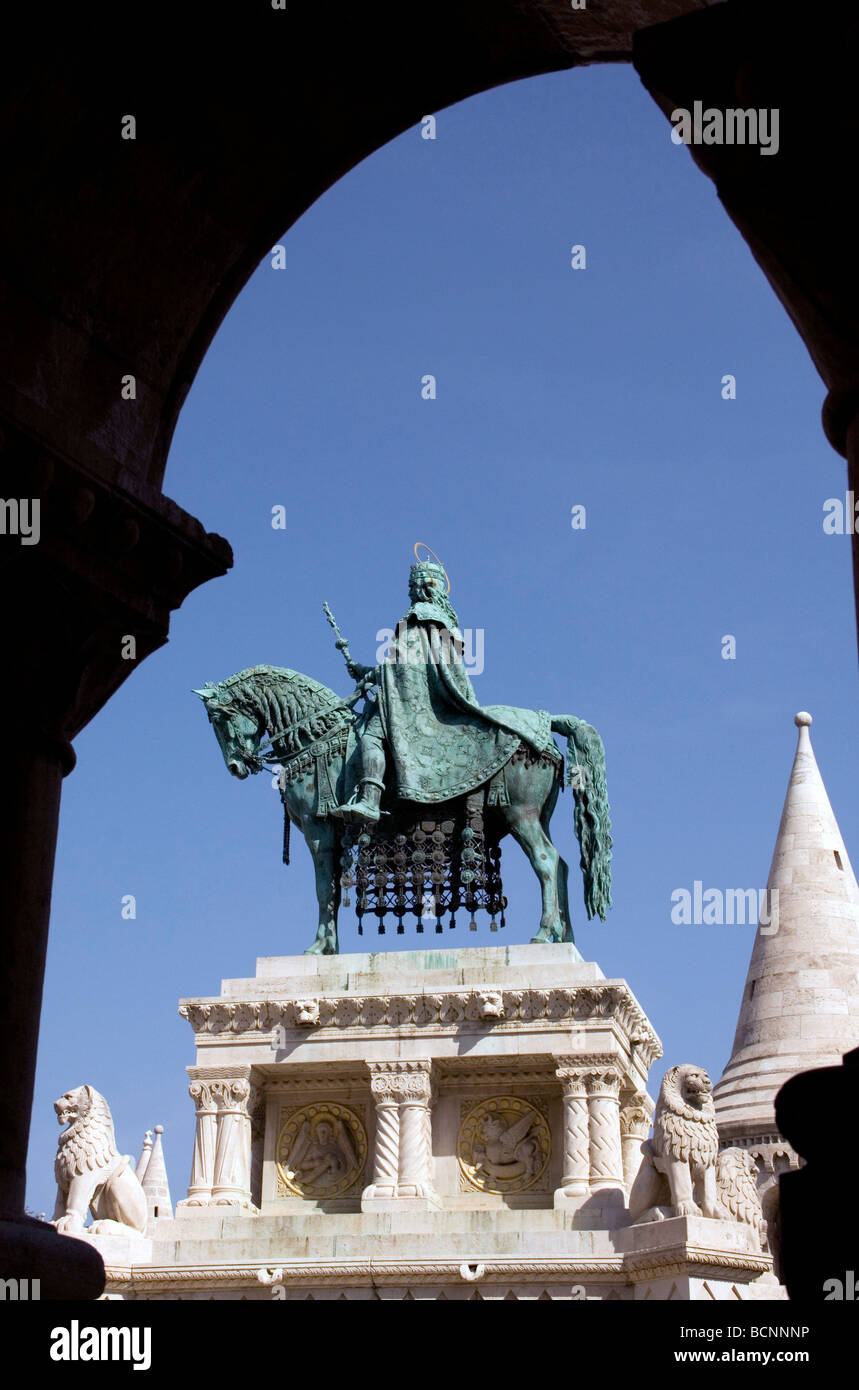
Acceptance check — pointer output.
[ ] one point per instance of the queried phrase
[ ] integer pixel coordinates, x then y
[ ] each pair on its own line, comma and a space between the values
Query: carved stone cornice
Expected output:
437, 1011
693, 1261
699, 1262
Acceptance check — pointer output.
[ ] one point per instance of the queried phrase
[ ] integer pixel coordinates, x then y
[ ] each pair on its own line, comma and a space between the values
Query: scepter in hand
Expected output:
357, 672
341, 644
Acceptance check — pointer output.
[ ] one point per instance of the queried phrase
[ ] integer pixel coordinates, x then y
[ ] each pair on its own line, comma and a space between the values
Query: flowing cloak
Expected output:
442, 742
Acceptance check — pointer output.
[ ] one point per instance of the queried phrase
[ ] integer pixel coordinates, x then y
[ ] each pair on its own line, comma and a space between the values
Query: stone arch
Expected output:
122, 257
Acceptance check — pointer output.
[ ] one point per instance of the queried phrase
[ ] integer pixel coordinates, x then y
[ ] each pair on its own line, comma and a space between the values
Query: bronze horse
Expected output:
310, 732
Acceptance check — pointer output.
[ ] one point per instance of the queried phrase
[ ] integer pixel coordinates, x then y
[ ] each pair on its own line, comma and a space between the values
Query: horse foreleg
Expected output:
321, 841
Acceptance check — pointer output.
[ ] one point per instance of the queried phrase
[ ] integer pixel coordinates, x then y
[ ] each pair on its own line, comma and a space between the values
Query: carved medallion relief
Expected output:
504, 1145
321, 1151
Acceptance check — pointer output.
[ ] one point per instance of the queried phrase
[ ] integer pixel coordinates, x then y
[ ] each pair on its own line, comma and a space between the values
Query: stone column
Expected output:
205, 1140
402, 1092
34, 765
231, 1183
634, 1129
603, 1085
93, 589
414, 1158
386, 1155
575, 1176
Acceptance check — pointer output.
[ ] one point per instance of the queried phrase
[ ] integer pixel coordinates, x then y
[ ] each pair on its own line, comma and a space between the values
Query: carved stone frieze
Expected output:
490, 1004
497, 1008
500, 1079
306, 1013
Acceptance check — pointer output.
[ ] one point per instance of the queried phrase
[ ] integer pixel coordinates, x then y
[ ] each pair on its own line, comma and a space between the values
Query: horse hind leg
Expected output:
563, 873
564, 899
528, 832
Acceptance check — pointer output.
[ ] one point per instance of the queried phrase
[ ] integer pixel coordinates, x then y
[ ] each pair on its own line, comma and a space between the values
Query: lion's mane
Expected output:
736, 1182
682, 1129
89, 1142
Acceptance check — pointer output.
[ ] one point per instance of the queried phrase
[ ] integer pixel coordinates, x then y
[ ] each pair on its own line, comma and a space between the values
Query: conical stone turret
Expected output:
145, 1155
155, 1183
800, 1006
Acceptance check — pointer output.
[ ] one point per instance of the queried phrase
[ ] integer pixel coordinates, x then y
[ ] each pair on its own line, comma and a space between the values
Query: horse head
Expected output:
294, 708
238, 728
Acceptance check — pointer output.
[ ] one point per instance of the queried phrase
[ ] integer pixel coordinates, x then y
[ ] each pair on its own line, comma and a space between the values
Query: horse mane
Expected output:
296, 707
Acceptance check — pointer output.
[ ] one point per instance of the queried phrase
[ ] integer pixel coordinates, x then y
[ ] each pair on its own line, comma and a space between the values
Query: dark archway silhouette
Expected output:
121, 257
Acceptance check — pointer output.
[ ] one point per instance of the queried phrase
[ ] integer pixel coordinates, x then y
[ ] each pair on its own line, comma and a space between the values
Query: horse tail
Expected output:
586, 776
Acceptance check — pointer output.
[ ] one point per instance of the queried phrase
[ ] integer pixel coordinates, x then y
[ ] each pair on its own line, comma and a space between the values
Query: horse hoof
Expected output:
326, 947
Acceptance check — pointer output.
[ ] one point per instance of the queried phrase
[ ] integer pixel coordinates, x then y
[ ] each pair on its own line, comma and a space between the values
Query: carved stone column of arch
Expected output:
634, 1129
603, 1086
575, 1175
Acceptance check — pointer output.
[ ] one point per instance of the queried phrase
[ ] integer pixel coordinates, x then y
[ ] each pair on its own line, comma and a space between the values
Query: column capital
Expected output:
604, 1082
589, 1075
401, 1081
635, 1115
225, 1090
572, 1076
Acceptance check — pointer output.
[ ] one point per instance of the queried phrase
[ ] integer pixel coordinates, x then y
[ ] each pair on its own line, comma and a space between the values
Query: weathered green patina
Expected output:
441, 741
423, 741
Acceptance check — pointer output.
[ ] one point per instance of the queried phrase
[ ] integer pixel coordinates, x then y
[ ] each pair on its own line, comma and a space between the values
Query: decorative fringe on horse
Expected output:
586, 776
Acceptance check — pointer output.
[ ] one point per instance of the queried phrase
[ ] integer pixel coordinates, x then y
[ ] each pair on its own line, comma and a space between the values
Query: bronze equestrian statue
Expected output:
423, 783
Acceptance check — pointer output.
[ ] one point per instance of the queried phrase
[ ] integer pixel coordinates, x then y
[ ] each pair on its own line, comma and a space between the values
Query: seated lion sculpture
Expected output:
737, 1186
91, 1174
677, 1176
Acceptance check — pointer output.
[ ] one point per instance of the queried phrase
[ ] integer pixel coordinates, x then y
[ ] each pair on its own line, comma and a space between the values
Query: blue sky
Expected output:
555, 387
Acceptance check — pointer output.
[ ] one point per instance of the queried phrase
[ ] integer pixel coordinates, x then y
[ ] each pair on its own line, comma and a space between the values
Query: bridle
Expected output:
265, 754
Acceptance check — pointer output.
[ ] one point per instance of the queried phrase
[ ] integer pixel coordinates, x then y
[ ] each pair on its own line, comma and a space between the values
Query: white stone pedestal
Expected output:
459, 1123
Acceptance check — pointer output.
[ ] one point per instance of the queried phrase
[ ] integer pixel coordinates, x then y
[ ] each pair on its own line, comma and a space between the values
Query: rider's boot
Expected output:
367, 808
